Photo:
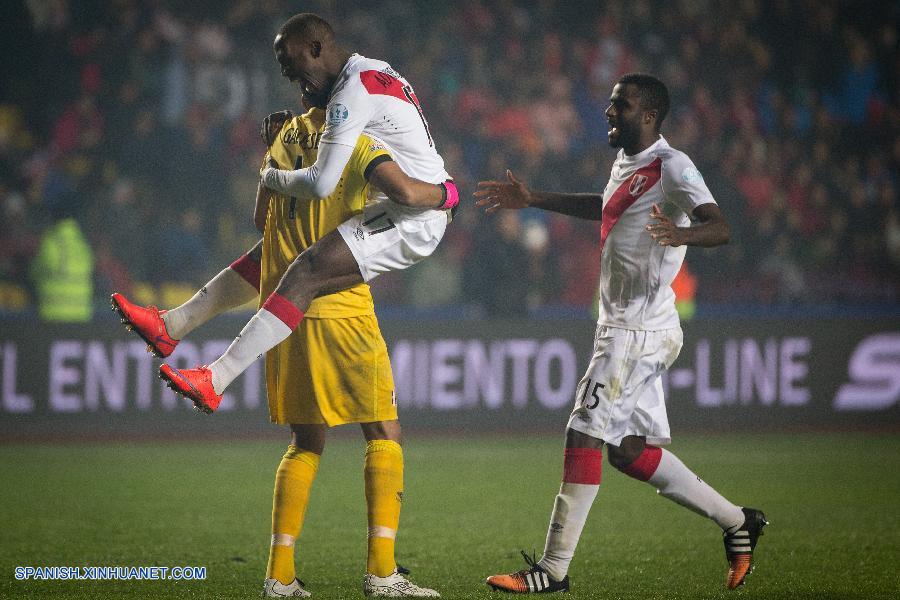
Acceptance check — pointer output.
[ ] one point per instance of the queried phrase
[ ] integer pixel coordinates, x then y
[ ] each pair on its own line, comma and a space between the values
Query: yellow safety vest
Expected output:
63, 274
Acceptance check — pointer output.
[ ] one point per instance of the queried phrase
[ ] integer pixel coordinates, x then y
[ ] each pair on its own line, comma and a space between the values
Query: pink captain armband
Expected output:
451, 195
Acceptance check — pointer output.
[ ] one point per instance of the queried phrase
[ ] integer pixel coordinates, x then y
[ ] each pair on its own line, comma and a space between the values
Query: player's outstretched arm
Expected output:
403, 189
711, 228
514, 194
316, 181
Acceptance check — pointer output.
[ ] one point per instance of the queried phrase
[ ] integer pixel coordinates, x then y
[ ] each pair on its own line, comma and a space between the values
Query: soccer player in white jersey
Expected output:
363, 96
654, 205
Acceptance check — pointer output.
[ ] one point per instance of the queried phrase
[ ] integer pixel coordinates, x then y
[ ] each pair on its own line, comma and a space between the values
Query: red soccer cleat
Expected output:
195, 384
147, 322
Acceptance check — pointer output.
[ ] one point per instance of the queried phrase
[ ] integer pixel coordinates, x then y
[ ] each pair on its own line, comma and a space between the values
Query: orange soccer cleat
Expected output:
195, 384
533, 580
147, 322
739, 546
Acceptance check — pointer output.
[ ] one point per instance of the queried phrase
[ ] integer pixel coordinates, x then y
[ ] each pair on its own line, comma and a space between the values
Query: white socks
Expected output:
570, 512
676, 482
226, 290
263, 332
582, 471
581, 482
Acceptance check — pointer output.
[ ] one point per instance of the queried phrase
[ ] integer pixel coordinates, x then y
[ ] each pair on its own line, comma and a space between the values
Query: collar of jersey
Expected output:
635, 158
341, 75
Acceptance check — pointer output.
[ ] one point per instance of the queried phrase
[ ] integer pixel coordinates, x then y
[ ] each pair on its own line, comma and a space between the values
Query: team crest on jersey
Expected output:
691, 175
337, 114
374, 146
637, 184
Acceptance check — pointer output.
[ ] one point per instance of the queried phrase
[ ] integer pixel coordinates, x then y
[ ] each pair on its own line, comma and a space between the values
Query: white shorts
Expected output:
385, 237
621, 394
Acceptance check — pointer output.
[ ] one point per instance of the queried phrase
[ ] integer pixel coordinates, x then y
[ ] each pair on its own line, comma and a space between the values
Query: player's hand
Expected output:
502, 194
272, 124
664, 231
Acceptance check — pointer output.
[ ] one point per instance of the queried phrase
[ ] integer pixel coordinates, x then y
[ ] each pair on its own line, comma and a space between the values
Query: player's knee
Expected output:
299, 279
629, 450
313, 264
308, 437
382, 430
620, 457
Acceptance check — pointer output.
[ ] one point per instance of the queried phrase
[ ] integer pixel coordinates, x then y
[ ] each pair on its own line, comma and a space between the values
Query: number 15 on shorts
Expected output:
594, 387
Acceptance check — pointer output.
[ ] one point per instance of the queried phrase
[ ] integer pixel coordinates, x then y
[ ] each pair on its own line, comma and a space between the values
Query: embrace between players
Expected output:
354, 188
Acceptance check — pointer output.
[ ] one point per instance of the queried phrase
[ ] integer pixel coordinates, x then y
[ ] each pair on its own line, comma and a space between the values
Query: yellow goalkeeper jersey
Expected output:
293, 224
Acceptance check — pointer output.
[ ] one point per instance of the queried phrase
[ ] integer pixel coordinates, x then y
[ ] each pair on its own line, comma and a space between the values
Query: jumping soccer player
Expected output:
334, 369
364, 96
645, 213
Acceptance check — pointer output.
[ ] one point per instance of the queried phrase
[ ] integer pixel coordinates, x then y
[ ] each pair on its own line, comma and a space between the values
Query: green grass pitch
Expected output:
470, 504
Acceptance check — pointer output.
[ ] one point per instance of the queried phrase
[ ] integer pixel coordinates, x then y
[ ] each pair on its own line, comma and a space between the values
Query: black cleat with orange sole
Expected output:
739, 547
533, 580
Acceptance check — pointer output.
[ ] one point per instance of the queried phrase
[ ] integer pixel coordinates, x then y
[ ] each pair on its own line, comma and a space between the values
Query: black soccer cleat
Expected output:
739, 547
533, 580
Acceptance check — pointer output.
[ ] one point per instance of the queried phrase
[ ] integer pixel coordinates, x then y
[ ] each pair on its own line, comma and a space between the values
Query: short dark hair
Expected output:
308, 27
653, 93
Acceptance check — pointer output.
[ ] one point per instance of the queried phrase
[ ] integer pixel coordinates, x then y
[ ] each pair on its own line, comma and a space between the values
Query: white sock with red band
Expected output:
672, 479
270, 326
581, 481
231, 287
248, 269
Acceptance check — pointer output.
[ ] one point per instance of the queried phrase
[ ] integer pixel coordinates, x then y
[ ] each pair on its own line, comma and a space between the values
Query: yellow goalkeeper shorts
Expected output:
331, 371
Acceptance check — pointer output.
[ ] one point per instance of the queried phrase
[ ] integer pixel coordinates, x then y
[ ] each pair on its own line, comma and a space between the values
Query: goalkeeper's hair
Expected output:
307, 26
653, 93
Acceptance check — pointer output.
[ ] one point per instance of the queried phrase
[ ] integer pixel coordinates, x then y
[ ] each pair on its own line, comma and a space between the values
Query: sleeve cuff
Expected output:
374, 163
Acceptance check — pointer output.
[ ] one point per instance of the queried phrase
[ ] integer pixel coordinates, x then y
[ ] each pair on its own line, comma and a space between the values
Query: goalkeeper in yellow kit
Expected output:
334, 368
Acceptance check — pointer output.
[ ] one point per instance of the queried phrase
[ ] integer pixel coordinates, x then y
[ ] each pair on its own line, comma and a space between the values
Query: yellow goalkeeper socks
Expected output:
384, 492
292, 484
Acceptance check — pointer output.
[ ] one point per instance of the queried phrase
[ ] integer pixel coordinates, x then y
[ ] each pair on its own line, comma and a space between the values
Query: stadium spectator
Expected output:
63, 269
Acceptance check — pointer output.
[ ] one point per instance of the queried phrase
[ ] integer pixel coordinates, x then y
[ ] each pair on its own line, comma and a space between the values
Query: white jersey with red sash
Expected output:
636, 273
371, 97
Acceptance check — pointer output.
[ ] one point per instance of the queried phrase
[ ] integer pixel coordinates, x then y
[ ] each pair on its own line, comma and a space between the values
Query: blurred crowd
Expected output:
139, 120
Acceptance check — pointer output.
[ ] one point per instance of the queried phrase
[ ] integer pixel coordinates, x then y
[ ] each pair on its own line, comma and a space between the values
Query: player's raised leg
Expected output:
672, 479
582, 470
235, 285
326, 266
293, 482
384, 494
